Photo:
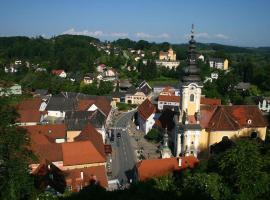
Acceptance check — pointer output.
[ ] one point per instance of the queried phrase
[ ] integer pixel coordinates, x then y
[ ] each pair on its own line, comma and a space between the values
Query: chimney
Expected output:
82, 175
179, 162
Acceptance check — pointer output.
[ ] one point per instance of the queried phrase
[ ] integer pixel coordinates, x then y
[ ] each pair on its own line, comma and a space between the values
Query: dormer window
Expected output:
249, 121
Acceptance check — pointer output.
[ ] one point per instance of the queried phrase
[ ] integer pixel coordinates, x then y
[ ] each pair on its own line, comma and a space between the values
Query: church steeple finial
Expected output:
192, 72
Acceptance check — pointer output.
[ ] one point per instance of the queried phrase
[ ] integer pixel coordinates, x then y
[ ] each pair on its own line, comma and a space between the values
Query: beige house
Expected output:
136, 98
170, 55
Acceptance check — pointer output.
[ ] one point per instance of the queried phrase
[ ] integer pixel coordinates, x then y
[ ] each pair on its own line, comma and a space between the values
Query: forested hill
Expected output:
74, 50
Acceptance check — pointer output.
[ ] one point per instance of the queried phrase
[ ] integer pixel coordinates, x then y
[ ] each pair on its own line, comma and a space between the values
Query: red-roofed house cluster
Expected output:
67, 133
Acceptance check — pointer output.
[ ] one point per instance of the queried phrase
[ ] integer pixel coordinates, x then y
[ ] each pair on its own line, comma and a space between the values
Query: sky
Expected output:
233, 22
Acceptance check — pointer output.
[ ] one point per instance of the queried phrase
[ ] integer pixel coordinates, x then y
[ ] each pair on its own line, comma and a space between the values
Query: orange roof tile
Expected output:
53, 131
30, 104
89, 133
29, 116
169, 98
78, 153
235, 117
151, 168
210, 101
84, 104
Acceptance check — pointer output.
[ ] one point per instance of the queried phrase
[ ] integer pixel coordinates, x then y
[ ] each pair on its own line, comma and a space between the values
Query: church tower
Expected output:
188, 131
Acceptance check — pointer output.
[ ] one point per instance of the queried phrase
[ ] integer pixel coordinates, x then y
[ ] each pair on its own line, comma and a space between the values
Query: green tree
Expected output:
15, 180
241, 166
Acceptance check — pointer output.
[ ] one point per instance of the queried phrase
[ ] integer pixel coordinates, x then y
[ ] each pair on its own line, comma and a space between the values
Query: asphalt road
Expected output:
124, 158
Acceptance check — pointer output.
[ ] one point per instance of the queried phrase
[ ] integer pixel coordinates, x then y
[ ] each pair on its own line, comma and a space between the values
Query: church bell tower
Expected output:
188, 133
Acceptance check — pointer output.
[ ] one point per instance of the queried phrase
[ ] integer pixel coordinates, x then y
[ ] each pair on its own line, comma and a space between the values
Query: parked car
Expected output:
118, 135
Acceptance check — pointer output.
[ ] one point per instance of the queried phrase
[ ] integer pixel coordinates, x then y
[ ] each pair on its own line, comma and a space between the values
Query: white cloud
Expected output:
208, 36
222, 36
97, 33
150, 36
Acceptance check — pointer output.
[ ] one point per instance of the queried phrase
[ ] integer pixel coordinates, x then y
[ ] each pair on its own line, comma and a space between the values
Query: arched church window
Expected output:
191, 97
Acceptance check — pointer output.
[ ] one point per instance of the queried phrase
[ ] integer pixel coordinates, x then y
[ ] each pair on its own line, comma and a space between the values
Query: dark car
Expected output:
118, 135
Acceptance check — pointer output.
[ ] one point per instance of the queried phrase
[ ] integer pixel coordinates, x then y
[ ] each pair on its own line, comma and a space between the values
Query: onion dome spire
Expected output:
192, 72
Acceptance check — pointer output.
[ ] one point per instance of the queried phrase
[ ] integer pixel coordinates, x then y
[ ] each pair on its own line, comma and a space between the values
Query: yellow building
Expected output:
200, 125
170, 55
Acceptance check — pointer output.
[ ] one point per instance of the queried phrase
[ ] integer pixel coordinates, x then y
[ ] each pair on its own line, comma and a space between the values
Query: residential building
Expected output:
88, 78
264, 104
168, 59
219, 63
170, 55
59, 72
10, 89
79, 163
146, 114
242, 86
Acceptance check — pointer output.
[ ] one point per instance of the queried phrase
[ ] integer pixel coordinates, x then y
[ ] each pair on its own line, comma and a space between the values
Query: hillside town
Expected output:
134, 106
81, 139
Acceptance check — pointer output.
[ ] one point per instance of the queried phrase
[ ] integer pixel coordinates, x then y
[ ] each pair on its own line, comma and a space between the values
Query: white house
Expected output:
146, 114
14, 89
264, 104
59, 72
170, 101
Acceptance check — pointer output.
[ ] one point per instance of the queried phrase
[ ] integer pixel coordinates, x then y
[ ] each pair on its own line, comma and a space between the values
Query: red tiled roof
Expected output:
169, 98
207, 112
225, 118
210, 101
57, 71
146, 109
29, 116
84, 104
89, 133
29, 104
50, 151
79, 153
90, 174
103, 104
148, 169
222, 120
53, 131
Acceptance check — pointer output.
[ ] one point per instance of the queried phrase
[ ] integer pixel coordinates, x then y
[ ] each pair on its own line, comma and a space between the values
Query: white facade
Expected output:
161, 104
13, 90
147, 125
264, 105
56, 113
63, 74
168, 64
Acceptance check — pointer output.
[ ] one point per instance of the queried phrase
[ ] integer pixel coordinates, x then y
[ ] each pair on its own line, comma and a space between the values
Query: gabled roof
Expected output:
61, 103
30, 104
103, 104
151, 168
77, 120
84, 104
227, 118
79, 153
222, 120
146, 109
89, 133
